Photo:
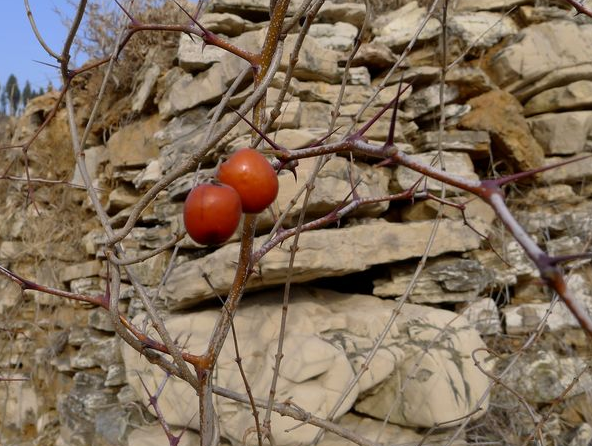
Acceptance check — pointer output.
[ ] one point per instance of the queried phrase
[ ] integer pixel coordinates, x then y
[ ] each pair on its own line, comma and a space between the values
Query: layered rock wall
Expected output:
516, 96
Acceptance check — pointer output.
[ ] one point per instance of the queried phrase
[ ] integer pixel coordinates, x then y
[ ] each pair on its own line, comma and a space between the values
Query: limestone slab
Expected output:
321, 253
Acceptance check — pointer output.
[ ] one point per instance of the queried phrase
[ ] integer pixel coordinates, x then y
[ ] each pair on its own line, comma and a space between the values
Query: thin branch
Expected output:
40, 39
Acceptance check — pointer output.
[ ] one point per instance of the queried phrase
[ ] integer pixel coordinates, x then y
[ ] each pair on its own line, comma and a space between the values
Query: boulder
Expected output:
326, 342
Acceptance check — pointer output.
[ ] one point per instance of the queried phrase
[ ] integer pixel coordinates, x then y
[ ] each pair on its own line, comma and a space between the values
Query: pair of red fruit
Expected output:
247, 183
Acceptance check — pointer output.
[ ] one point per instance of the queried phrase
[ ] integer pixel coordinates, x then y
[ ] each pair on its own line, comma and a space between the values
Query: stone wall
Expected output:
517, 97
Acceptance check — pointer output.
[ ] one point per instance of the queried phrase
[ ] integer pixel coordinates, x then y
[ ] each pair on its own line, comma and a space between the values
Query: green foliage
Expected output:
13, 93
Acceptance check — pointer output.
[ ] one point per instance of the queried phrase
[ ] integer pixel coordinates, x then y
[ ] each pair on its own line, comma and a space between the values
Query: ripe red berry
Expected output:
252, 176
211, 213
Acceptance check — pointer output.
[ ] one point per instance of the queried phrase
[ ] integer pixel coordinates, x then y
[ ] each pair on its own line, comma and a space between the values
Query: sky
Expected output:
19, 47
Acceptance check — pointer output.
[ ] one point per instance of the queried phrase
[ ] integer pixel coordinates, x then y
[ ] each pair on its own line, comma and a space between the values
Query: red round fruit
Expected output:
252, 176
211, 213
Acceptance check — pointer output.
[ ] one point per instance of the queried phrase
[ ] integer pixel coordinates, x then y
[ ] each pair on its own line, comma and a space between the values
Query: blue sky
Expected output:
19, 47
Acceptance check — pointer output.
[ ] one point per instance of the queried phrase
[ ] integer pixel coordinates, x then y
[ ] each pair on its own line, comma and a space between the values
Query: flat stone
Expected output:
374, 55
557, 78
189, 92
423, 75
356, 75
448, 384
322, 253
134, 145
315, 63
315, 115
94, 157
290, 117
427, 99
382, 434
549, 194
256, 9
456, 162
475, 143
539, 50
481, 29
353, 13
339, 36
442, 280
546, 13
396, 28
574, 96
471, 81
149, 175
120, 198
355, 94
525, 318
145, 84
380, 129
562, 133
332, 190
500, 114
181, 126
571, 220
224, 23
85, 269
193, 56
102, 353
487, 5
474, 208
570, 173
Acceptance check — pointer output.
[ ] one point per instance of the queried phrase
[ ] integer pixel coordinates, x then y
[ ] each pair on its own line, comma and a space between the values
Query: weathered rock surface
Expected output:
525, 318
133, 144
339, 36
397, 28
562, 133
321, 253
426, 382
482, 29
500, 114
538, 54
333, 12
194, 56
541, 376
336, 331
458, 163
476, 5
574, 96
539, 50
569, 173
444, 280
